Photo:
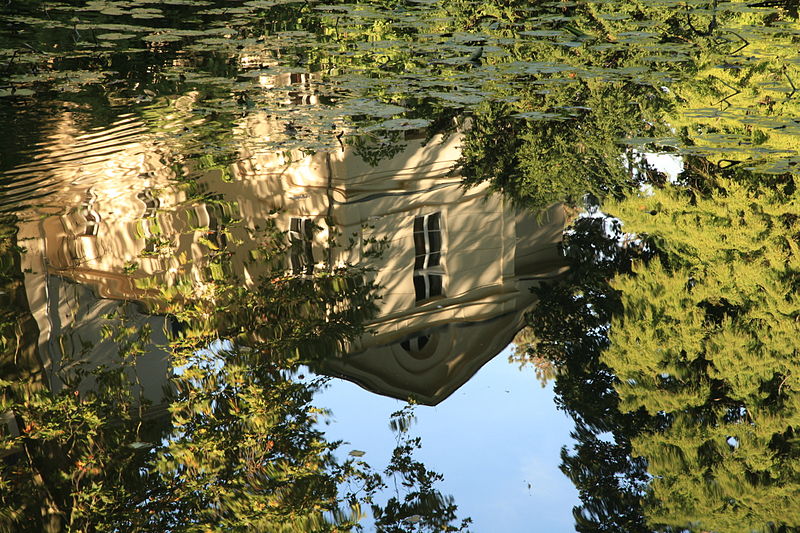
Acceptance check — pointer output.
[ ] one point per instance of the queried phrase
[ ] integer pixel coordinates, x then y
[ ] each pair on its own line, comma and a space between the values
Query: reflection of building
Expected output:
455, 266
101, 210
490, 260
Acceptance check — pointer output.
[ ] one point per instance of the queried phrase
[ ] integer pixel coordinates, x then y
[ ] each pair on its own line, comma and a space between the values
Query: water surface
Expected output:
214, 212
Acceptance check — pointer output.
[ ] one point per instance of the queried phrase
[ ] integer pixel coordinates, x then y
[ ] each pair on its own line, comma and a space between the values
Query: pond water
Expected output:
399, 265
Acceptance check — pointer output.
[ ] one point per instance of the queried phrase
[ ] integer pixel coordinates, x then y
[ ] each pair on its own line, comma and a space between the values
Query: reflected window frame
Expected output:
421, 346
301, 251
428, 238
151, 206
91, 218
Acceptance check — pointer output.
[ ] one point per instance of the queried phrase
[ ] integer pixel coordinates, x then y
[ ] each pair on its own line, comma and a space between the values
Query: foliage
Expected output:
600, 83
569, 328
236, 444
555, 100
708, 341
525, 342
422, 507
245, 454
540, 162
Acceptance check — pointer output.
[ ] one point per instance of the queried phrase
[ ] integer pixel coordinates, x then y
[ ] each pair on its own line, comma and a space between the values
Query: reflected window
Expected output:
416, 344
301, 253
151, 203
427, 241
427, 286
91, 218
421, 346
428, 275
304, 96
149, 225
214, 217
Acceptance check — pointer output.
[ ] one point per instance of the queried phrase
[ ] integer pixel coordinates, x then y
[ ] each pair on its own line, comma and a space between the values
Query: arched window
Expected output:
421, 346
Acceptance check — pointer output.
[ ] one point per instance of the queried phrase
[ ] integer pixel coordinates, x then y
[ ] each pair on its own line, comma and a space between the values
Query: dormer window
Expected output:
428, 274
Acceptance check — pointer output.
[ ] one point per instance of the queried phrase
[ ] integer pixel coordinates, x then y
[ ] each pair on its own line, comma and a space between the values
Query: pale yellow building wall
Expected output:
379, 203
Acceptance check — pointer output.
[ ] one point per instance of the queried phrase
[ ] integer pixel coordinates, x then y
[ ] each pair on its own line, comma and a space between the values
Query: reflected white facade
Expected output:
454, 266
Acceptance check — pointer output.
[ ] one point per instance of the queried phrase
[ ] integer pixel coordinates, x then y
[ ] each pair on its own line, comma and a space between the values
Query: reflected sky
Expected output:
496, 435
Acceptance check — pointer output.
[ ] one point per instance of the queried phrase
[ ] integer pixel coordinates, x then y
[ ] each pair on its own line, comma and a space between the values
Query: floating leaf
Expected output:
161, 38
400, 124
115, 36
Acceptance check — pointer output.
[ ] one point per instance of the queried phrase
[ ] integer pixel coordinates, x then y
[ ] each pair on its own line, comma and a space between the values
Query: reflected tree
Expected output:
569, 328
675, 348
421, 507
707, 340
236, 445
679, 373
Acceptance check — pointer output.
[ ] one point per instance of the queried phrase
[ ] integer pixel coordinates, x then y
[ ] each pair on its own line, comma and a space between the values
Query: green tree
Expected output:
237, 447
569, 328
421, 507
708, 340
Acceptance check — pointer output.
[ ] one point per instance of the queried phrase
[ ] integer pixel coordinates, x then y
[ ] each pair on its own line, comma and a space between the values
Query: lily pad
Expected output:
115, 36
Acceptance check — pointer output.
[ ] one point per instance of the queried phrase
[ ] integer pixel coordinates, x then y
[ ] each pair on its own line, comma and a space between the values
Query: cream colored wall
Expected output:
379, 203
104, 170
420, 166
461, 349
370, 203
475, 239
